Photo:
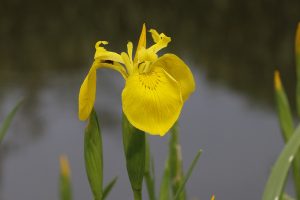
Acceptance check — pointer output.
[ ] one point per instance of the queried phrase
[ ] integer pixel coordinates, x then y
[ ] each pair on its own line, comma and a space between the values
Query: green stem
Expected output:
176, 171
150, 186
149, 172
137, 194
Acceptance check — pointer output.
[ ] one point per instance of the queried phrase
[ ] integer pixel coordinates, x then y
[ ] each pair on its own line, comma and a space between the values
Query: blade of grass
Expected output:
276, 181
108, 188
7, 121
186, 178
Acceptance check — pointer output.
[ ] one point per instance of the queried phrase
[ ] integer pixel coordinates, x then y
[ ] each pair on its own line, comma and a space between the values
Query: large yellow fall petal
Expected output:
87, 94
179, 71
152, 101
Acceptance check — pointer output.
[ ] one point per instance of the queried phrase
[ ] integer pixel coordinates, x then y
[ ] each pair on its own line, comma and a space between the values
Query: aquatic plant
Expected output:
290, 155
7, 121
156, 88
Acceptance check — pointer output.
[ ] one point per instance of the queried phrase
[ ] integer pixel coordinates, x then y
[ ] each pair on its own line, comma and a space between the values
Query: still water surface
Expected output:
232, 49
240, 141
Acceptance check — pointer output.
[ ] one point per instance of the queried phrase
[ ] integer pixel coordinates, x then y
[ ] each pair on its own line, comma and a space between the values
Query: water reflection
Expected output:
238, 43
47, 46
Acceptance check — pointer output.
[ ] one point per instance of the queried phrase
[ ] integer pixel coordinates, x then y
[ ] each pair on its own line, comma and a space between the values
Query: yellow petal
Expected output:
155, 35
146, 55
152, 101
127, 62
179, 71
102, 54
87, 94
161, 41
142, 42
129, 50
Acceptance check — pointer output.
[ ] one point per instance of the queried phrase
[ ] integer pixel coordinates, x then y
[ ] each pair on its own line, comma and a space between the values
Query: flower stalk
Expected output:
175, 159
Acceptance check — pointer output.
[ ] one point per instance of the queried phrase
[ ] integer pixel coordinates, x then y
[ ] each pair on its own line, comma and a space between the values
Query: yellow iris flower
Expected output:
155, 89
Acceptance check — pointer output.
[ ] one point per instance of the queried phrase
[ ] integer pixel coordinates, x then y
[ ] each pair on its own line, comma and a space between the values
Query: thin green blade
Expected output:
108, 188
297, 58
276, 181
175, 159
93, 156
149, 174
165, 184
4, 127
186, 178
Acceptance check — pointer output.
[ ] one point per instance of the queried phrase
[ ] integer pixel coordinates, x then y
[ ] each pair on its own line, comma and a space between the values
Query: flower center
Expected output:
150, 80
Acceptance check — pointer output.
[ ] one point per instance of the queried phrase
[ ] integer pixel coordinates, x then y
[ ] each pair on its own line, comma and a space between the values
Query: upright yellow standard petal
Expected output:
87, 94
179, 71
152, 101
142, 42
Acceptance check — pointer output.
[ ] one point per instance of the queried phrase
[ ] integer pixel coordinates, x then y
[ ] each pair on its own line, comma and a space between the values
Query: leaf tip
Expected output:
213, 197
64, 165
277, 80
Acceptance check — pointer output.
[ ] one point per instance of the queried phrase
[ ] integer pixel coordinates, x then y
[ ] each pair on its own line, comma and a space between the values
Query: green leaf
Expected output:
149, 174
7, 121
65, 181
287, 197
276, 181
297, 58
135, 154
165, 183
283, 108
175, 159
108, 188
287, 125
93, 156
186, 178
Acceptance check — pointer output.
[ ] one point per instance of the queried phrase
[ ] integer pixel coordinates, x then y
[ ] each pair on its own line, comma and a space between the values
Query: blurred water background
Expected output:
232, 47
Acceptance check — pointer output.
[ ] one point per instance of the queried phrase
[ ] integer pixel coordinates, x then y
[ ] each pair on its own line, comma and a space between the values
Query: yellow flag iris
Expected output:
155, 89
